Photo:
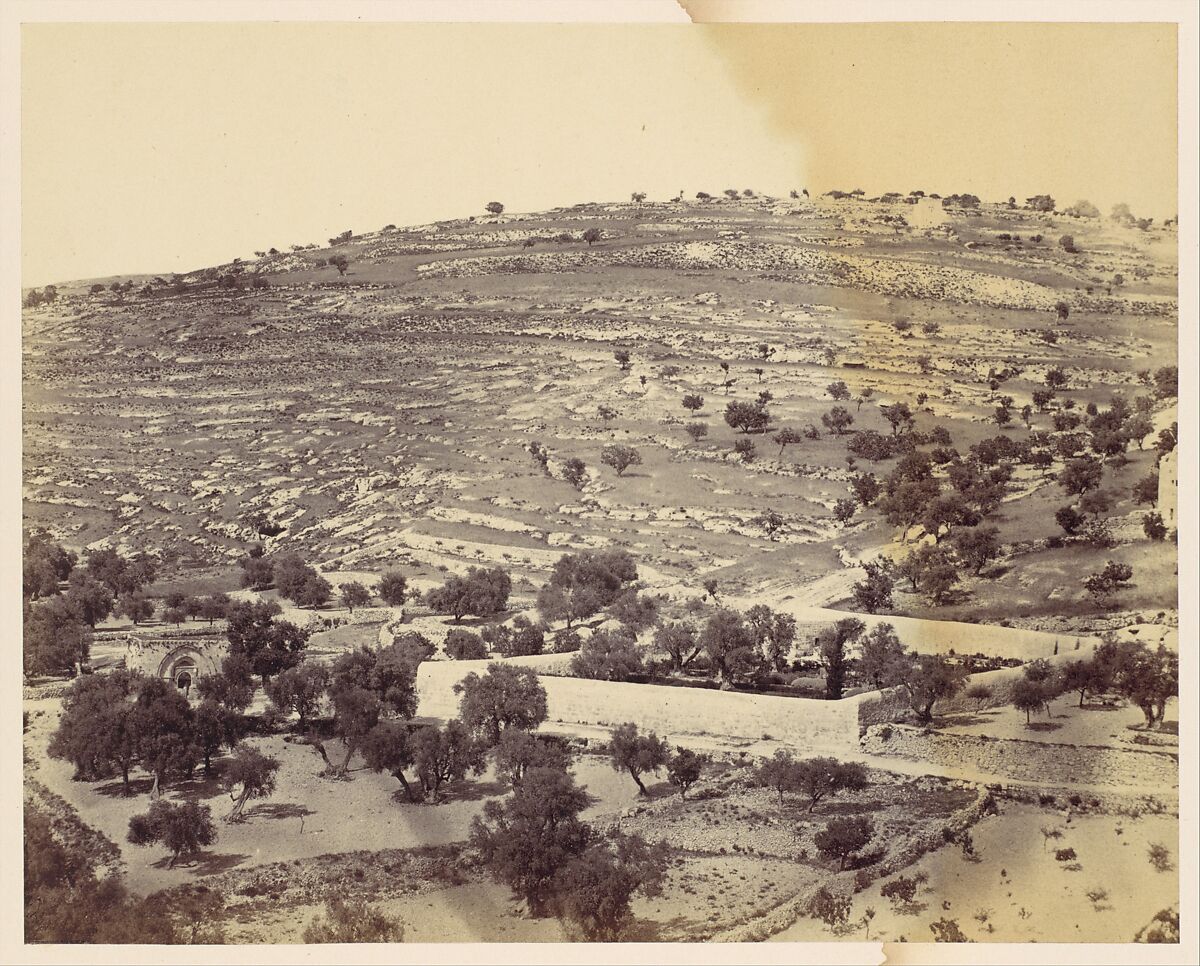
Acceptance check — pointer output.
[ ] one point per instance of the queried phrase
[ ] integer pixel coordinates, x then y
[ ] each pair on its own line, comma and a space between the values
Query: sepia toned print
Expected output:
790, 556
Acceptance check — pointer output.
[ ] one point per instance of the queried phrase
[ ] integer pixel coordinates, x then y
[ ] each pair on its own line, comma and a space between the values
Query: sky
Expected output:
150, 148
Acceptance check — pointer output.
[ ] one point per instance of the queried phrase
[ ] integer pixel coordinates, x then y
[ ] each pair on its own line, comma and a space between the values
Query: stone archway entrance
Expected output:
184, 674
182, 668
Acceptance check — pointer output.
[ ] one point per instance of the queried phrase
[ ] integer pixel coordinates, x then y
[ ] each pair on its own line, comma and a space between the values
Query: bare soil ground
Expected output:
307, 816
1116, 725
736, 852
1015, 890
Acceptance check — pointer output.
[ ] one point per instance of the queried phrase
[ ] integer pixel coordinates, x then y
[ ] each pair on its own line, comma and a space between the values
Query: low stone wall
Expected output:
811, 725
40, 692
957, 637
900, 856
1040, 761
71, 830
320, 621
882, 707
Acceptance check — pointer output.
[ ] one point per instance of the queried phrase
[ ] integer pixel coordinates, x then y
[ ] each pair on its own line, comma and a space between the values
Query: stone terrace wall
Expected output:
812, 725
939, 637
1027, 760
880, 707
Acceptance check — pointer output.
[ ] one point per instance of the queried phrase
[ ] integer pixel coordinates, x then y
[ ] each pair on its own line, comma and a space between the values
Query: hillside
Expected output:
384, 417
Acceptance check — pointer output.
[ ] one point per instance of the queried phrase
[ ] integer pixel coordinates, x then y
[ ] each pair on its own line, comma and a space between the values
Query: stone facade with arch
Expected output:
181, 660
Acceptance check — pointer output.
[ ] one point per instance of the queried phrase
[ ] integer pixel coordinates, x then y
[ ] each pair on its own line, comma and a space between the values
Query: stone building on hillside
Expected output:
927, 213
1168, 488
182, 659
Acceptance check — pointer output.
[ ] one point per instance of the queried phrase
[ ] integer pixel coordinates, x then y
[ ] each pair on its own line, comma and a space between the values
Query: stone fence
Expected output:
318, 621
1040, 761
809, 725
881, 707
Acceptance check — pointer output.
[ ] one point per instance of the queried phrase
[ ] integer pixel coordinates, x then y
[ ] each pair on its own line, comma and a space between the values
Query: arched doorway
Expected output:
184, 675
186, 662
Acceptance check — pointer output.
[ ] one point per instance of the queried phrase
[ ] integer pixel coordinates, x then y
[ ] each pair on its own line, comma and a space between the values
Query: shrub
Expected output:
683, 769
593, 890
1048, 833
1064, 855
567, 641
842, 837
1163, 928
525, 639
353, 922
637, 754
832, 908
619, 457
482, 593
1160, 858
462, 645
607, 656
1153, 526
947, 931
183, 829
900, 891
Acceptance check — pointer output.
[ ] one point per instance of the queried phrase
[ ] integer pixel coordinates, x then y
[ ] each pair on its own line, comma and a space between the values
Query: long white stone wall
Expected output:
810, 725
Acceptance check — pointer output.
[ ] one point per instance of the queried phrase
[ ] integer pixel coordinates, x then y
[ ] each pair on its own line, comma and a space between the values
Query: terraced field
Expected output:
423, 407
382, 418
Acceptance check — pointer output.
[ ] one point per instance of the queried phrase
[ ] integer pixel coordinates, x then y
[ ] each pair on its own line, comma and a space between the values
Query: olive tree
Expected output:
636, 753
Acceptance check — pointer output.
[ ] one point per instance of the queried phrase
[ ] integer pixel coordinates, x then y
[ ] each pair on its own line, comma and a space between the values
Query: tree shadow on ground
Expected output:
964, 720
137, 786
864, 860
1105, 704
205, 863
659, 931
201, 787
1042, 726
275, 810
658, 790
910, 908
400, 796
654, 792
827, 808
469, 621
468, 791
